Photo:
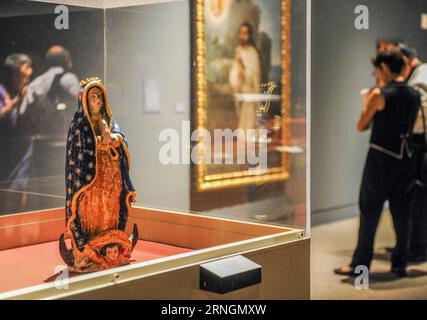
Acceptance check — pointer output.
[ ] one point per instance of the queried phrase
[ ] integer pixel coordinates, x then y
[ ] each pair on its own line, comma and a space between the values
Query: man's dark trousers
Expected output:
385, 178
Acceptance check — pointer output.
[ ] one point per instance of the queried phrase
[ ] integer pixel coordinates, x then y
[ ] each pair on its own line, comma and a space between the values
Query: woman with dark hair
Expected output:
16, 74
390, 171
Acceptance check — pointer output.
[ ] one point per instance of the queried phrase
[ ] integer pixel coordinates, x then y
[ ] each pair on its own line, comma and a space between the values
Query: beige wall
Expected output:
151, 42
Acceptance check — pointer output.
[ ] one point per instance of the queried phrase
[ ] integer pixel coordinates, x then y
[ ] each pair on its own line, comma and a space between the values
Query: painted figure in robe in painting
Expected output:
99, 190
245, 76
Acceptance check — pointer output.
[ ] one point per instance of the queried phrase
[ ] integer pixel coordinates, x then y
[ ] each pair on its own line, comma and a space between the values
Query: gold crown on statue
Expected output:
89, 80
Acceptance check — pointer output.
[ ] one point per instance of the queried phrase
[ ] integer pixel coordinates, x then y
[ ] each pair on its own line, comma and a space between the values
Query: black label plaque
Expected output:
229, 275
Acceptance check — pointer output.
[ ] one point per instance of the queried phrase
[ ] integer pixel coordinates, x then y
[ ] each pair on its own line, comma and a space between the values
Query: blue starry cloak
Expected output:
81, 164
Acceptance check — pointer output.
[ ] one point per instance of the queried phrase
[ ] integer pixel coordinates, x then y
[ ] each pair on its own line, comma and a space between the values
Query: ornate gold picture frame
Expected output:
202, 178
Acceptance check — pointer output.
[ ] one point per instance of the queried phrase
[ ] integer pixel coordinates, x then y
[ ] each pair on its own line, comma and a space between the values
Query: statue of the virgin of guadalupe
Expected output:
99, 190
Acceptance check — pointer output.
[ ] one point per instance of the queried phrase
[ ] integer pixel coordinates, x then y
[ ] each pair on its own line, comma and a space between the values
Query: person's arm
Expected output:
5, 105
8, 106
70, 84
374, 103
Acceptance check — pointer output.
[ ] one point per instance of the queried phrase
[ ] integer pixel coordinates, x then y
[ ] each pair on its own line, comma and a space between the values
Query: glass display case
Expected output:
213, 99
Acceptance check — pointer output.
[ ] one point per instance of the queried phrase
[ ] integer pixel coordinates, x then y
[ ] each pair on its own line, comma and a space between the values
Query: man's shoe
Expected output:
349, 273
399, 271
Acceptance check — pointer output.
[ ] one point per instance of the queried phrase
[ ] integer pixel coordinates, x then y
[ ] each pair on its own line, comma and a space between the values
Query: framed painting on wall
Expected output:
241, 91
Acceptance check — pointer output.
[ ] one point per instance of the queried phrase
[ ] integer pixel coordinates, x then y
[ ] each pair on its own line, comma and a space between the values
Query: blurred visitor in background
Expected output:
47, 109
52, 96
417, 78
16, 74
390, 169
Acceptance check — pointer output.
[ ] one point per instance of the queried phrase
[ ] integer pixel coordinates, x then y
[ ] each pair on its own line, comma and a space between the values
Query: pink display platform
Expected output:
35, 264
168, 241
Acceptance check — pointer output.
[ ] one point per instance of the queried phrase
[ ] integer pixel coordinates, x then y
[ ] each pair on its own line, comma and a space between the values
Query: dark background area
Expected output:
28, 27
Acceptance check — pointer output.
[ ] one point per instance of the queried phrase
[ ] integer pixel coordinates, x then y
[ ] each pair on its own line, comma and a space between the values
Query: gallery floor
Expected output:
332, 246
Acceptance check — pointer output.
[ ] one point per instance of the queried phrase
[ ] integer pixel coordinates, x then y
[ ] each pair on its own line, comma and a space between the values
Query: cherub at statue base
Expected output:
108, 250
